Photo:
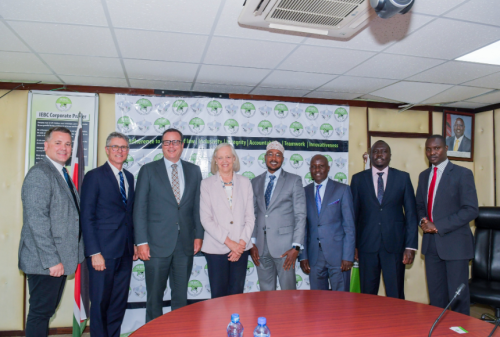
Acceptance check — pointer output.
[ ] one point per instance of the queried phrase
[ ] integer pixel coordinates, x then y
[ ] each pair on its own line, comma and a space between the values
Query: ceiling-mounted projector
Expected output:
388, 8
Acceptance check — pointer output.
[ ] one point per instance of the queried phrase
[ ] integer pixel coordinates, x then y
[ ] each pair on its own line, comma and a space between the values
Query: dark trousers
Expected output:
108, 295
45, 294
178, 268
443, 279
322, 272
226, 277
370, 266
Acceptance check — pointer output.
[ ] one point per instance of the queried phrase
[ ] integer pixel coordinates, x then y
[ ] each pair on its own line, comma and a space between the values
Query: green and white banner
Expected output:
48, 109
304, 130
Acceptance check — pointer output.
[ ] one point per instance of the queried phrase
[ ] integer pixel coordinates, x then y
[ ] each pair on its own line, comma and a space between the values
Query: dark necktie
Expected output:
122, 189
318, 199
72, 190
269, 189
380, 189
430, 195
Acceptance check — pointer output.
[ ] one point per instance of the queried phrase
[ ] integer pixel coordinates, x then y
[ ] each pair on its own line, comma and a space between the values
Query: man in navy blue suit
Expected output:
329, 243
386, 223
107, 201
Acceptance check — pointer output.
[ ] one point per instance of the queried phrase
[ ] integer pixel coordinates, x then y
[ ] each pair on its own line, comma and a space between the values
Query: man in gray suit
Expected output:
330, 231
51, 246
167, 225
280, 212
459, 142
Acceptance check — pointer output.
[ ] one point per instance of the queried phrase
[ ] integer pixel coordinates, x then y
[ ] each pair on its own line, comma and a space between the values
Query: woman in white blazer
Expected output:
227, 214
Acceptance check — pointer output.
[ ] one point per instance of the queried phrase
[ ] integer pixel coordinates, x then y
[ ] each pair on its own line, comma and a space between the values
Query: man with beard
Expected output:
446, 203
459, 142
280, 212
330, 234
386, 223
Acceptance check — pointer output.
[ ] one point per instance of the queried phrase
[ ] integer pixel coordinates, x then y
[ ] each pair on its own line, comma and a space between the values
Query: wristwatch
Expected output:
297, 248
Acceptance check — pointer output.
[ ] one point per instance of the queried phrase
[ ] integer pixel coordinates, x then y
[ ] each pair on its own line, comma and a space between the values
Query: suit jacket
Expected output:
455, 205
394, 223
465, 145
285, 219
107, 224
50, 222
157, 215
219, 220
333, 227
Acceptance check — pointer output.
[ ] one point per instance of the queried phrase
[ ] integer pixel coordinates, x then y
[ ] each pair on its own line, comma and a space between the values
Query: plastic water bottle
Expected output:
235, 328
261, 330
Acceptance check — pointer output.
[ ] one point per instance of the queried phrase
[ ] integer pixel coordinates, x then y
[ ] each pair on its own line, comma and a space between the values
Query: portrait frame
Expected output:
449, 121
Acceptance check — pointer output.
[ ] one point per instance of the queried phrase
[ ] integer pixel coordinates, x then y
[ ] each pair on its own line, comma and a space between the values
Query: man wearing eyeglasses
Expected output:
107, 202
280, 220
168, 231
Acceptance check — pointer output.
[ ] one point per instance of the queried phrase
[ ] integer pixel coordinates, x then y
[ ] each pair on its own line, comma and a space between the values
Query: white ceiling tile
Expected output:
228, 26
446, 39
231, 75
379, 34
88, 12
246, 53
455, 72
162, 46
492, 98
279, 92
24, 77
369, 97
66, 39
22, 63
193, 16
159, 70
393, 66
84, 65
149, 84
457, 93
9, 41
465, 105
324, 60
434, 7
411, 92
490, 81
95, 81
481, 11
356, 84
222, 88
296, 80
334, 95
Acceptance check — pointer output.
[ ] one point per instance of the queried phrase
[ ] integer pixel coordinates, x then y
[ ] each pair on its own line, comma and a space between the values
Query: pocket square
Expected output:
335, 202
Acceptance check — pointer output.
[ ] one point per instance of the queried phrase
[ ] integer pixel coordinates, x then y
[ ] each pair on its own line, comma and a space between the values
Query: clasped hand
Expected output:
237, 248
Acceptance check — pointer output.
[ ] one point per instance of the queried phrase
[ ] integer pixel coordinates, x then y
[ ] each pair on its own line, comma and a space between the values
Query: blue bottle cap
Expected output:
235, 318
261, 321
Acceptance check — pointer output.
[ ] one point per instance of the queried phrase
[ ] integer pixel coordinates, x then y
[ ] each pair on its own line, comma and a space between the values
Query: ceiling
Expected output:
197, 45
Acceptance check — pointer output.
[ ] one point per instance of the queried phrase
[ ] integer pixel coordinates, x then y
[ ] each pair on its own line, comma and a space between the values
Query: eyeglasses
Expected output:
277, 155
115, 148
173, 142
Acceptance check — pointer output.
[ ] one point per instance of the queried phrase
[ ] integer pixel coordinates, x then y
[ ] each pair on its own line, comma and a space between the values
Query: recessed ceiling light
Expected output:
488, 55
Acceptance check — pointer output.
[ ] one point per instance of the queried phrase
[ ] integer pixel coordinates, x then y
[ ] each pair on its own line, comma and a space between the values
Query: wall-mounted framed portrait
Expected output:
458, 129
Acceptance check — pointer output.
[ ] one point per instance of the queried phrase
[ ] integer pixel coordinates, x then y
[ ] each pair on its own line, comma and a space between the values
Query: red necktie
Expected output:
430, 196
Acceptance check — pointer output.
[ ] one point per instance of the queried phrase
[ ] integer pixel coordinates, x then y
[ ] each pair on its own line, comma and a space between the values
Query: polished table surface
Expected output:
313, 313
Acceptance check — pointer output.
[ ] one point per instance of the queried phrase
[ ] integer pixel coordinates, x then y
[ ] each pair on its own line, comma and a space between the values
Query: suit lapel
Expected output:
371, 187
131, 189
278, 188
444, 182
330, 187
161, 171
221, 191
188, 183
389, 187
108, 171
62, 181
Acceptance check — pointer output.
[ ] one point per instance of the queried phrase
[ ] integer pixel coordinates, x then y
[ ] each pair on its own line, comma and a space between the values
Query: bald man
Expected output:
459, 142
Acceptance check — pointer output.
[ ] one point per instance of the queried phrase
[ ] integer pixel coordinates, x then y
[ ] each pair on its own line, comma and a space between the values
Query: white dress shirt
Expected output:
58, 166
117, 176
440, 170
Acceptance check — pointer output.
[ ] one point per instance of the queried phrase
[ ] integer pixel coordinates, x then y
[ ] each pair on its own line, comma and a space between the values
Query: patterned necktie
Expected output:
430, 195
122, 188
318, 199
455, 148
269, 189
380, 189
70, 185
175, 183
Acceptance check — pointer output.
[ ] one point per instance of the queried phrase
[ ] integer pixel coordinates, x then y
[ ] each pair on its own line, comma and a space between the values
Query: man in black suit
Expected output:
107, 202
386, 223
459, 142
446, 203
167, 226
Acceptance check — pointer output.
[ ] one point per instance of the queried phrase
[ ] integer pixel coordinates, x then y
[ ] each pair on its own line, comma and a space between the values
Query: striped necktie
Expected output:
122, 189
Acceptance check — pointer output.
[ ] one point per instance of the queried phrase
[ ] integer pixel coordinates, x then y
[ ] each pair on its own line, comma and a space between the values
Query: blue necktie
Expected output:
380, 189
318, 199
122, 189
269, 189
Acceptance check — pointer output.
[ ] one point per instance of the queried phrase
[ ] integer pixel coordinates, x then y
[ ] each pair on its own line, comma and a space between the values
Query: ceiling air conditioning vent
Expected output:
336, 18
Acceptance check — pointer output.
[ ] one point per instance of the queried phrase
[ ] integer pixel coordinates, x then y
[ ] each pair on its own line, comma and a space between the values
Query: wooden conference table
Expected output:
313, 313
